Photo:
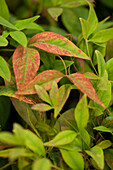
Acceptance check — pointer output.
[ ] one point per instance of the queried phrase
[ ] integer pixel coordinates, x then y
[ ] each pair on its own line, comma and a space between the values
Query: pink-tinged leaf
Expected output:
91, 76
85, 86
44, 79
56, 44
10, 92
26, 62
42, 107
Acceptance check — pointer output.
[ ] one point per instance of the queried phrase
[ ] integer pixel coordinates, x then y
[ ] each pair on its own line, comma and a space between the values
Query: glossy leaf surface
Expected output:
56, 44
26, 62
85, 86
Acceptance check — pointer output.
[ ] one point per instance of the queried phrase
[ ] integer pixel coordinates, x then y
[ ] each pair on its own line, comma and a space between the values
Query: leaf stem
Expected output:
63, 64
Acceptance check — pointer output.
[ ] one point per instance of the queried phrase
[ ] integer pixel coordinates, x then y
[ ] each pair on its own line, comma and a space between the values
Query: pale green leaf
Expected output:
4, 22
20, 37
53, 93
103, 129
4, 70
42, 107
3, 41
109, 67
85, 28
4, 12
41, 164
104, 144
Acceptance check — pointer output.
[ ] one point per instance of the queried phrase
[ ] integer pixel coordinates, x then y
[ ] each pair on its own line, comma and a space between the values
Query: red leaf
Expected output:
26, 62
45, 79
85, 86
56, 44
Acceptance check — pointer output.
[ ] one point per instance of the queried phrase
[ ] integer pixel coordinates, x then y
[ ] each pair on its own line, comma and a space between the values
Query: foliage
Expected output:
60, 87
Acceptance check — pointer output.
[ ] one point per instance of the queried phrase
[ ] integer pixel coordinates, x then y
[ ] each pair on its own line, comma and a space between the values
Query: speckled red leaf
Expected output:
85, 86
44, 79
10, 92
57, 44
26, 62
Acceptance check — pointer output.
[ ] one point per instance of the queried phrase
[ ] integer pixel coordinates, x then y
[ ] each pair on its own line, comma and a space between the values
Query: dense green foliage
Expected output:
56, 100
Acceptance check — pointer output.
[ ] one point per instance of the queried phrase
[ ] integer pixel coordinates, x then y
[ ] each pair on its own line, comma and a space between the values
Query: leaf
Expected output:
97, 154
5, 153
34, 26
4, 12
85, 86
42, 107
43, 95
20, 37
23, 24
55, 12
102, 36
61, 98
92, 20
41, 164
53, 92
3, 41
56, 44
73, 159
43, 79
58, 64
82, 114
26, 62
34, 143
91, 76
62, 138
103, 129
104, 144
101, 63
85, 28
4, 22
109, 68
5, 108
4, 70
109, 157
73, 3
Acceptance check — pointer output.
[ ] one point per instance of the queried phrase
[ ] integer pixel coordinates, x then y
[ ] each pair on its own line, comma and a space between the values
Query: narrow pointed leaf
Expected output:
23, 24
42, 107
85, 28
4, 22
4, 70
73, 159
43, 79
109, 157
62, 138
25, 64
97, 154
103, 129
53, 93
4, 12
20, 37
85, 86
82, 113
42, 164
104, 144
3, 41
42, 94
56, 44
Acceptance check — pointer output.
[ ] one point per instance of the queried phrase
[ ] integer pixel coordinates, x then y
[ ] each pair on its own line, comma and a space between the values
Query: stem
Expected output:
7, 49
90, 57
63, 64
5, 166
74, 64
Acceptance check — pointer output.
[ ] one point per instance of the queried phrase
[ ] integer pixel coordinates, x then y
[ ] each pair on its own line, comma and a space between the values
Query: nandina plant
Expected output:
62, 91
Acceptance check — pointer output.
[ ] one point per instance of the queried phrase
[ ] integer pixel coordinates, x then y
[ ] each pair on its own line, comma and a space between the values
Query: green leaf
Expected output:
20, 37
104, 144
82, 114
42, 93
102, 36
3, 41
92, 20
42, 107
61, 98
109, 157
73, 3
56, 44
23, 24
5, 106
4, 12
4, 22
41, 164
62, 138
101, 63
73, 159
55, 12
103, 129
53, 93
58, 64
4, 70
97, 154
85, 28
34, 143
34, 26
109, 68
